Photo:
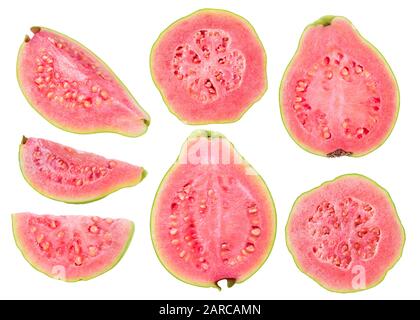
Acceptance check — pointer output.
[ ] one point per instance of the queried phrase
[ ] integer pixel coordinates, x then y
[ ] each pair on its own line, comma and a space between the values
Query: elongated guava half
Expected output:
213, 217
66, 174
73, 89
345, 234
338, 95
210, 67
71, 248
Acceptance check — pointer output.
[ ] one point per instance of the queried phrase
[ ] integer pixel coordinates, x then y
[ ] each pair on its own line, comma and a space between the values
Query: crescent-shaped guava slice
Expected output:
66, 174
71, 248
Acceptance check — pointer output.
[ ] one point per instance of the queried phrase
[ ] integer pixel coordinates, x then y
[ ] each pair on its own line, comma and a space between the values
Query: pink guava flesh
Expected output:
71, 248
63, 173
345, 234
338, 96
74, 90
209, 67
213, 217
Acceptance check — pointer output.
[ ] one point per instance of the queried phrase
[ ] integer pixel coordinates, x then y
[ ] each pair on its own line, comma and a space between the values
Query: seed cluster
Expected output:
208, 66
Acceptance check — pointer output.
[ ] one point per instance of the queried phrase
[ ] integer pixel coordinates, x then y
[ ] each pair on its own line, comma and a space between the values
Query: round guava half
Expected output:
345, 234
209, 66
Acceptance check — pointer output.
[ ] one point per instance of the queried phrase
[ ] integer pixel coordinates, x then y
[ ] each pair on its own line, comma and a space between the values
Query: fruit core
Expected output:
344, 232
192, 205
345, 84
74, 88
208, 66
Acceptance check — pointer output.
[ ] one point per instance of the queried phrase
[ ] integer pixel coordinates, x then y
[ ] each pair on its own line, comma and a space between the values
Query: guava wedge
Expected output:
345, 234
213, 217
73, 89
338, 96
66, 174
71, 248
209, 67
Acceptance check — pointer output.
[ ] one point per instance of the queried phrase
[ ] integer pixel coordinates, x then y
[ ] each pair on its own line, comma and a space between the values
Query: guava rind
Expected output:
307, 193
144, 122
208, 121
326, 21
230, 282
100, 272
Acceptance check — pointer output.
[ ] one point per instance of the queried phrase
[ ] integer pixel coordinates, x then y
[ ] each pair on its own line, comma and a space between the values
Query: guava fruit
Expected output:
66, 174
209, 67
71, 248
345, 234
338, 96
213, 217
73, 89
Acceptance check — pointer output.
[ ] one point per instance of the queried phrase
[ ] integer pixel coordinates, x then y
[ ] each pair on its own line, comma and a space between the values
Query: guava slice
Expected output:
71, 248
73, 89
345, 234
338, 95
65, 174
209, 66
213, 217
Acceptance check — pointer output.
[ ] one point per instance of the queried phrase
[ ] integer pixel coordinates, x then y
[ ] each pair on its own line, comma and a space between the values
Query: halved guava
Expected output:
338, 95
209, 66
73, 89
213, 217
65, 174
71, 248
345, 234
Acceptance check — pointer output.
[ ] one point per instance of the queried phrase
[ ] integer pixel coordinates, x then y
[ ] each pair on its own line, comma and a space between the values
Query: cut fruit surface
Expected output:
338, 95
210, 67
73, 89
345, 234
65, 174
71, 248
213, 217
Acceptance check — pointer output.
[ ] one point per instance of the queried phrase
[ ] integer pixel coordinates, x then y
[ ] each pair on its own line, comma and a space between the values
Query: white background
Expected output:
122, 33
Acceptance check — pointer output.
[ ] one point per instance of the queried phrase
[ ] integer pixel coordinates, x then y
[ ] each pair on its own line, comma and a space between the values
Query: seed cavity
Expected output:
194, 65
331, 221
250, 247
78, 260
255, 231
93, 251
40, 237
173, 231
336, 65
45, 245
93, 229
